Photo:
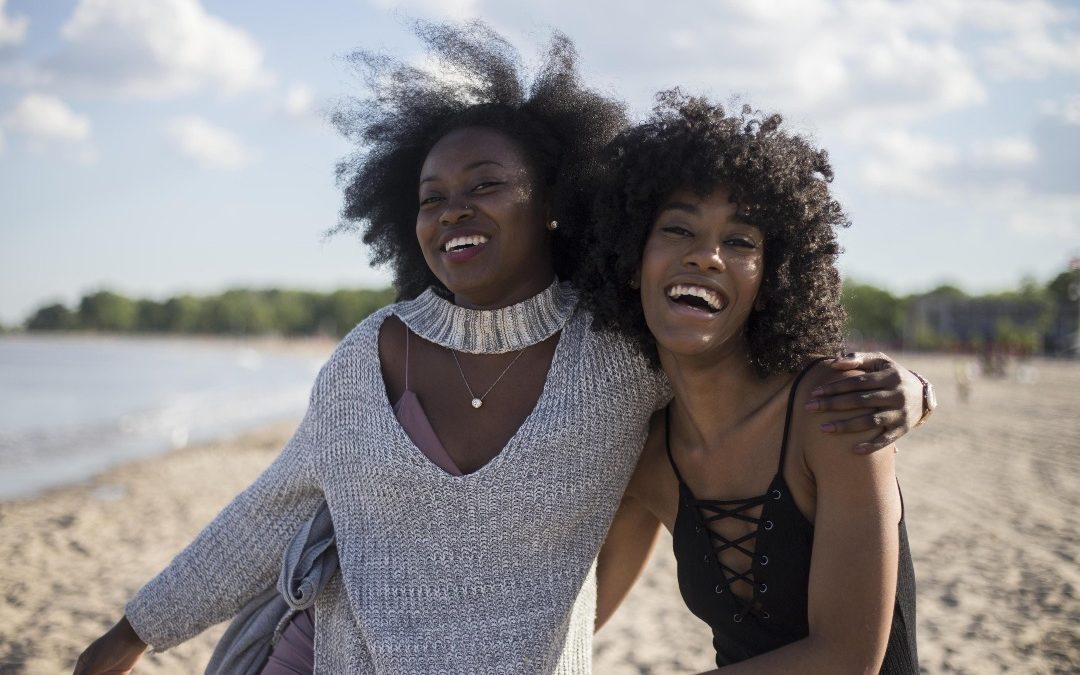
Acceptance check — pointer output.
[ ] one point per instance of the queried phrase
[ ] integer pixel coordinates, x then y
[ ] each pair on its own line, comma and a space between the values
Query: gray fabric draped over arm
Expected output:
309, 562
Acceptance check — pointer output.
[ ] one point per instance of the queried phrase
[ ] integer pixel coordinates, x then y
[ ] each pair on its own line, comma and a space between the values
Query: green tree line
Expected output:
234, 312
875, 314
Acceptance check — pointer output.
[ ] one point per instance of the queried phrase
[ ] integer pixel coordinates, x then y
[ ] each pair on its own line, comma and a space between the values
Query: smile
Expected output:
464, 242
697, 297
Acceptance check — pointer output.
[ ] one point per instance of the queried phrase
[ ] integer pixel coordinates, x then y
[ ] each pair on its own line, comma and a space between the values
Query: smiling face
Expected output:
481, 219
700, 274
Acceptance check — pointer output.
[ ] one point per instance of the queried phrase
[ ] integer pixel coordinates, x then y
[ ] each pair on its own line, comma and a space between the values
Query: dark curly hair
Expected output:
559, 124
780, 183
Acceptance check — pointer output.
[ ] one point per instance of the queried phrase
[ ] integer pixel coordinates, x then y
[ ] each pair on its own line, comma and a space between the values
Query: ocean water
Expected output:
72, 407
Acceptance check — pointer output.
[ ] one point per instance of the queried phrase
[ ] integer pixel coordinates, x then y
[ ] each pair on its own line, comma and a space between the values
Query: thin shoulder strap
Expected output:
406, 356
667, 443
791, 407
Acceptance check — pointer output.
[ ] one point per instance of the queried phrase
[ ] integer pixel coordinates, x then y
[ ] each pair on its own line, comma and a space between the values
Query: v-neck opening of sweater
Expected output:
417, 457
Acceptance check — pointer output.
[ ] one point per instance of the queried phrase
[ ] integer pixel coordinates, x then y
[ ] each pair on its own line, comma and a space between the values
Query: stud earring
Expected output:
553, 225
634, 284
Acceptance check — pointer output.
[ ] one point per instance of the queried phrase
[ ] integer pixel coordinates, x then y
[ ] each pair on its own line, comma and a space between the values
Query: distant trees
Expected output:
874, 314
52, 317
234, 312
1032, 318
108, 311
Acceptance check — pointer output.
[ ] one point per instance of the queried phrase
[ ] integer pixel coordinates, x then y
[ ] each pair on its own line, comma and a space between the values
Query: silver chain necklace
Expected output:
478, 401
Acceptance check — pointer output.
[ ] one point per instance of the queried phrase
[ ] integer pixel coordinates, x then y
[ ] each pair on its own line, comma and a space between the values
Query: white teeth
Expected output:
715, 302
459, 242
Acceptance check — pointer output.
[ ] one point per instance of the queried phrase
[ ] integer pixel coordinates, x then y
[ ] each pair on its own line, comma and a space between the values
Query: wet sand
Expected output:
991, 487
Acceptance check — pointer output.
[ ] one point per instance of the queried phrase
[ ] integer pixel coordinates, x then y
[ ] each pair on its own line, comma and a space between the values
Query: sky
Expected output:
155, 147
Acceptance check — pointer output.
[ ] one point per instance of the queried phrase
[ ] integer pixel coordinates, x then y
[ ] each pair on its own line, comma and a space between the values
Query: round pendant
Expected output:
476, 403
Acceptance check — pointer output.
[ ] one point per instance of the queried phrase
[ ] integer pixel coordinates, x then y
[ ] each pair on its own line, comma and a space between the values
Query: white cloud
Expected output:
1005, 152
207, 145
907, 164
840, 63
447, 9
299, 101
1026, 39
46, 117
157, 49
1045, 216
1067, 110
12, 28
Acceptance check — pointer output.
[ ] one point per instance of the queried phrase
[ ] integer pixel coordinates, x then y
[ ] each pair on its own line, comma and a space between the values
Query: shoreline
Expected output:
299, 345
991, 508
157, 393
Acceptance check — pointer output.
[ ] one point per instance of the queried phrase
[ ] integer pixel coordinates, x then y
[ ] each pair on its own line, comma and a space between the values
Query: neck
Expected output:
713, 393
506, 296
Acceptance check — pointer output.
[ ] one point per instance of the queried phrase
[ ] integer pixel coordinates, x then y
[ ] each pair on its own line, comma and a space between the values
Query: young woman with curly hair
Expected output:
471, 442
791, 549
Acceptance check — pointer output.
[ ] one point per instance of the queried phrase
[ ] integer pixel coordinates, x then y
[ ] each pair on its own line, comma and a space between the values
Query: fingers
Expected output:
882, 379
871, 361
891, 423
878, 398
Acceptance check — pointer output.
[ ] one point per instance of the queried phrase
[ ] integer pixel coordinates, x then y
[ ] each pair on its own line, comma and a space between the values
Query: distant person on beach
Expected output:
715, 247
470, 443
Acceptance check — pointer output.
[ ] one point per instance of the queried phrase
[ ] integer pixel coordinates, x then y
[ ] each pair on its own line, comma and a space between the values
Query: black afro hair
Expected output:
478, 81
780, 183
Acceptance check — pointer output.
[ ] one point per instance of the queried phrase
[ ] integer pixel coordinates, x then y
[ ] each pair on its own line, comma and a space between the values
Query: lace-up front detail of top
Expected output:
752, 588
710, 511
756, 601
756, 582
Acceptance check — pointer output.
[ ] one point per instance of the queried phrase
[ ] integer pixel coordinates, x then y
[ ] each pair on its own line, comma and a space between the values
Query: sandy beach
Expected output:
991, 487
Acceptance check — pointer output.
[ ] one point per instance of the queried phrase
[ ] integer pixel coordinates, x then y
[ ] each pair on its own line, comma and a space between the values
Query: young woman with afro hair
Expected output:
714, 249
469, 443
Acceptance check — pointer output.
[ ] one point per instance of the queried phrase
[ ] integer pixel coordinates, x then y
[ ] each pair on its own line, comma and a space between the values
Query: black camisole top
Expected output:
778, 557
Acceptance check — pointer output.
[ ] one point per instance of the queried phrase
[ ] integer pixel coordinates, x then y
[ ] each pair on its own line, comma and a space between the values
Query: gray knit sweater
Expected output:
491, 572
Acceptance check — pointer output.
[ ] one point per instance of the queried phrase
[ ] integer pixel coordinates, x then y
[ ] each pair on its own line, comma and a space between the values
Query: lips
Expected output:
697, 297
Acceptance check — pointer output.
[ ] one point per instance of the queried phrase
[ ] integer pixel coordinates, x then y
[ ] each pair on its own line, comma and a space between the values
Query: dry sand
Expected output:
993, 511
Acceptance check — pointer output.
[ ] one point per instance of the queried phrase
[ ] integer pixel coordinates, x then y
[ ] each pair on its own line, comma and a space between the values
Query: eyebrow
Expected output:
470, 167
685, 207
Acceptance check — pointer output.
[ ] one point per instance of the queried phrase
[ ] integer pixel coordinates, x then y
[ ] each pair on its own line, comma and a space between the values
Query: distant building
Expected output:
938, 321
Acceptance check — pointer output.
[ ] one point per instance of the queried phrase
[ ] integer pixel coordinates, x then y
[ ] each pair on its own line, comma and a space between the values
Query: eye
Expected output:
741, 242
485, 185
430, 199
677, 230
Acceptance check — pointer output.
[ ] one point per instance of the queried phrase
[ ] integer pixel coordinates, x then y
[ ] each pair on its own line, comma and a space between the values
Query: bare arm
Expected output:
627, 548
633, 534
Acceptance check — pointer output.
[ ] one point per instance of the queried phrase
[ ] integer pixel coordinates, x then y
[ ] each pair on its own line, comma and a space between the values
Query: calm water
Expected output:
71, 407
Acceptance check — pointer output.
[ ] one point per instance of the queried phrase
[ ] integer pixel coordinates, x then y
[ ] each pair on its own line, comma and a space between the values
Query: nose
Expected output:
455, 212
705, 256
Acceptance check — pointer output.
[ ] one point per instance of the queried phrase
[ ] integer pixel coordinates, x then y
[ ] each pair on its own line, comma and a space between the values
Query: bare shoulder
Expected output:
816, 444
819, 375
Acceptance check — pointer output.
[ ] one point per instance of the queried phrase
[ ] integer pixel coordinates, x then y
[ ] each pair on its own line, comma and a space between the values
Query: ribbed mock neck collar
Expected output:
489, 331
